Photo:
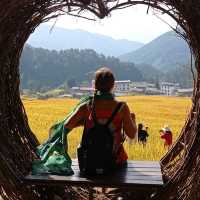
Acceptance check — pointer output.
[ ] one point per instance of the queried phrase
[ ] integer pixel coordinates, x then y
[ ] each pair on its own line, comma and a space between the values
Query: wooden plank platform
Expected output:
137, 174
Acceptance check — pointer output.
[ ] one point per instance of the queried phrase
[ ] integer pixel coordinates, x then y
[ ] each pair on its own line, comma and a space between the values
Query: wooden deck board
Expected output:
137, 174
133, 163
132, 169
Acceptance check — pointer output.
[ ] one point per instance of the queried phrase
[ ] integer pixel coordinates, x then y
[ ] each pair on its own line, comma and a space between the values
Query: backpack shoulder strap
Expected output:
114, 113
94, 113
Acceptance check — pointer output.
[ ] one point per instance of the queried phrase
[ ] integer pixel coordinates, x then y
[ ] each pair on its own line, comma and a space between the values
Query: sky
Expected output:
132, 23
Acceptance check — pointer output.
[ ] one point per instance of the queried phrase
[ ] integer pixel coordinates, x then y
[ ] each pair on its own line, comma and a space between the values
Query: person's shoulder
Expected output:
123, 105
124, 109
83, 107
123, 102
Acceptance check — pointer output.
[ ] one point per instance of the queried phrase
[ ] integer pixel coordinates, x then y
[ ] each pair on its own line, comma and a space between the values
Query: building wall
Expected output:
123, 86
169, 88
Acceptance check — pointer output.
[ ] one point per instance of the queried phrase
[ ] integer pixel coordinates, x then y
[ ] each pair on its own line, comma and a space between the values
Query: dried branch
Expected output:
18, 19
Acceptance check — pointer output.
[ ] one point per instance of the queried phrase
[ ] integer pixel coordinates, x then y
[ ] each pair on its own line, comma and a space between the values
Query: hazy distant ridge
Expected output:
165, 52
61, 38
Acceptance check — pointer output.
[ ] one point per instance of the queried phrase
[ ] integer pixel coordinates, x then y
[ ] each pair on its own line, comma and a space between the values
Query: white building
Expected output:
142, 86
120, 86
123, 86
169, 88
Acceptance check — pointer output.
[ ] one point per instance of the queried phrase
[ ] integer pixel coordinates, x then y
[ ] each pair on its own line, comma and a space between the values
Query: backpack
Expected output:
96, 154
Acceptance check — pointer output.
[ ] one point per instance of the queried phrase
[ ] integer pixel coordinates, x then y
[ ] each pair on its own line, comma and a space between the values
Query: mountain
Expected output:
164, 53
47, 69
60, 39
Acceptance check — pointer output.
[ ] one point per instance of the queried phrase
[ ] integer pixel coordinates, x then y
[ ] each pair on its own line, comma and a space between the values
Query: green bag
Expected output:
53, 156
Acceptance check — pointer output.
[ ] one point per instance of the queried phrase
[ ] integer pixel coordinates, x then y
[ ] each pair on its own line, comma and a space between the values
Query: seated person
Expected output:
142, 134
103, 108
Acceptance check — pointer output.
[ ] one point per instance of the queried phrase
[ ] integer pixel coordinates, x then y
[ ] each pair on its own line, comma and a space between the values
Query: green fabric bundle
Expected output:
53, 156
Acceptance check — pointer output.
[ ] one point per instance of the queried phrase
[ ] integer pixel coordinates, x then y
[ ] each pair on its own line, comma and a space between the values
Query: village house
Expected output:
122, 86
81, 91
127, 87
142, 85
169, 88
145, 88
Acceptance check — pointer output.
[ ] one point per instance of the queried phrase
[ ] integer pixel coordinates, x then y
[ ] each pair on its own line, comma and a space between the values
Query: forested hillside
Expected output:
47, 69
41, 68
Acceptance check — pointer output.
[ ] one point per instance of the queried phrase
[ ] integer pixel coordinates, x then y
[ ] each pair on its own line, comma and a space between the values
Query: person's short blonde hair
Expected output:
104, 80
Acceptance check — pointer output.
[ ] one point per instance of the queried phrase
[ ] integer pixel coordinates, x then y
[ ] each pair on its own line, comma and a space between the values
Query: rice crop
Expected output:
153, 111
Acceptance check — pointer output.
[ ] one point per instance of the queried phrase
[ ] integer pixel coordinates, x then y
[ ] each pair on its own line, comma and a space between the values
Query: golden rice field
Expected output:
153, 111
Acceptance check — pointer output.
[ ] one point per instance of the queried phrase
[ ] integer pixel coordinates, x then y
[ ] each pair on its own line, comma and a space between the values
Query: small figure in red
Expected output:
166, 135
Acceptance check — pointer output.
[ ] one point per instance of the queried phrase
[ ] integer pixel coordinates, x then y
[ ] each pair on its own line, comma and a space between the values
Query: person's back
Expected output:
166, 134
142, 134
104, 109
103, 106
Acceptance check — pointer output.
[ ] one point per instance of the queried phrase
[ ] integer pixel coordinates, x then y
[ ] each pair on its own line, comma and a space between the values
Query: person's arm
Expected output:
77, 119
147, 135
129, 123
